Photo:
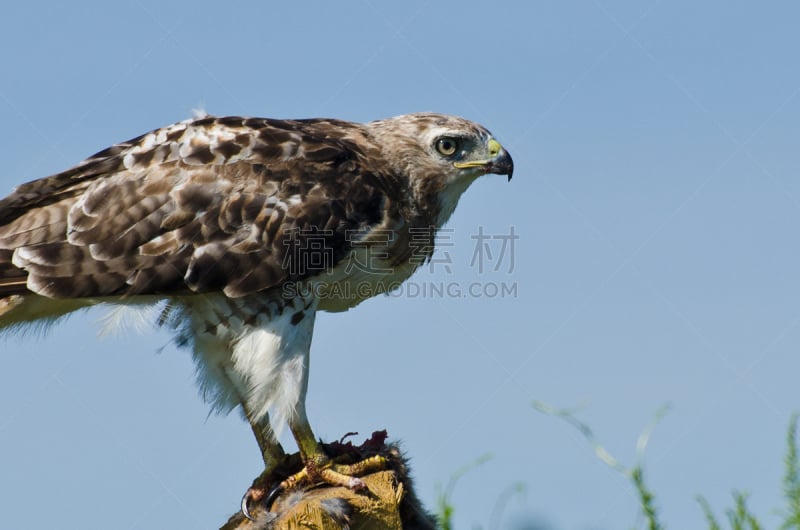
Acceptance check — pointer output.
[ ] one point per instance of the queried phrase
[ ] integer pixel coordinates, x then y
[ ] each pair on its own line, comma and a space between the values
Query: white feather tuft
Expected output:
124, 318
199, 113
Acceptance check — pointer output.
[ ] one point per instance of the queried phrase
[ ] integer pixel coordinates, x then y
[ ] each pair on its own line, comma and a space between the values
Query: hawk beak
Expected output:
499, 163
502, 164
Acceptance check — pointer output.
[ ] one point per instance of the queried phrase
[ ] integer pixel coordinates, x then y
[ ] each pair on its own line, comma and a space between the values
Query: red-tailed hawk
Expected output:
242, 229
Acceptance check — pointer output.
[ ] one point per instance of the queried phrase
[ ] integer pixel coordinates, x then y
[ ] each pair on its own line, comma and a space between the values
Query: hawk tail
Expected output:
24, 312
13, 284
19, 307
13, 280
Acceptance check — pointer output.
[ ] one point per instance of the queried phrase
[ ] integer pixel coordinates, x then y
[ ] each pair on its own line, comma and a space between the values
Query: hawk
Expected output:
238, 230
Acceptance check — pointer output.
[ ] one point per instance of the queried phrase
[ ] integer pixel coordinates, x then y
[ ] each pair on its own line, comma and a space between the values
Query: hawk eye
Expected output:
447, 146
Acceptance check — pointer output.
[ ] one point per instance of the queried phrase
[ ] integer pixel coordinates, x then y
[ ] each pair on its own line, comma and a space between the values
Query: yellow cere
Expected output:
494, 147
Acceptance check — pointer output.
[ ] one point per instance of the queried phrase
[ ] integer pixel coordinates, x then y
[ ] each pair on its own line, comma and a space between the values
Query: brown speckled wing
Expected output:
231, 204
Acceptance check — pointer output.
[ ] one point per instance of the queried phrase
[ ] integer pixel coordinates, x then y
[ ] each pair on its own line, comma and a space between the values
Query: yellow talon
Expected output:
295, 479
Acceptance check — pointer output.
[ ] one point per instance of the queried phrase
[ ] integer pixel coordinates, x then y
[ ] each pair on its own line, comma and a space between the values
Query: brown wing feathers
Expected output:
206, 205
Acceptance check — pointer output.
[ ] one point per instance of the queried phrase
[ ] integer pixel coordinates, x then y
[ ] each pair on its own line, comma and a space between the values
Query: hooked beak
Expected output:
500, 162
501, 165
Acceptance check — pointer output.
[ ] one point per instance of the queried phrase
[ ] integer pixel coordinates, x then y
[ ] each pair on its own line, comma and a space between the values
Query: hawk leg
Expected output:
271, 450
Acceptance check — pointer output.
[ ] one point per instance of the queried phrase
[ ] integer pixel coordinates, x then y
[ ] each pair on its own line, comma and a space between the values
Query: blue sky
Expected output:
656, 202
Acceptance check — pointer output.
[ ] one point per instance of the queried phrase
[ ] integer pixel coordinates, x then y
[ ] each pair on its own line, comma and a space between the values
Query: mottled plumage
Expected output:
216, 217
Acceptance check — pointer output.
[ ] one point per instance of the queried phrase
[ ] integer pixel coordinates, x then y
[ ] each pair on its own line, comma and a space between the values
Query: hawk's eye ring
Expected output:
447, 146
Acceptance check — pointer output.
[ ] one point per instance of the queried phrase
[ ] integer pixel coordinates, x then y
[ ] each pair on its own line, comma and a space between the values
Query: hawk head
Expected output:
441, 156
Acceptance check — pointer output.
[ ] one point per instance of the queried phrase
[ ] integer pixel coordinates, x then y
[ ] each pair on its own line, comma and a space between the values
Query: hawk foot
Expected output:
336, 474
343, 470
333, 474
